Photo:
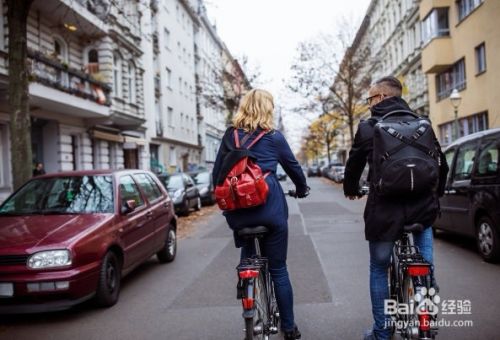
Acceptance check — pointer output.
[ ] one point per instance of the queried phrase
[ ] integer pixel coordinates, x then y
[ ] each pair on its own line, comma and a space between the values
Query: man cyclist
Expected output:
384, 219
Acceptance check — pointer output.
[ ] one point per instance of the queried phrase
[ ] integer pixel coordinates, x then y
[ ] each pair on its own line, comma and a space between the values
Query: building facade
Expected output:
210, 92
85, 92
461, 41
176, 146
121, 84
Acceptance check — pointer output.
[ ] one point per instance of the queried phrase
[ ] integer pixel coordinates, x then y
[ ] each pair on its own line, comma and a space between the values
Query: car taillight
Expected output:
247, 303
247, 274
418, 270
424, 322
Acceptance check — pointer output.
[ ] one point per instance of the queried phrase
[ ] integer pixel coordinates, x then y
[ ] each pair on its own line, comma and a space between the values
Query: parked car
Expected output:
471, 204
280, 173
324, 170
313, 170
204, 183
184, 193
335, 172
70, 236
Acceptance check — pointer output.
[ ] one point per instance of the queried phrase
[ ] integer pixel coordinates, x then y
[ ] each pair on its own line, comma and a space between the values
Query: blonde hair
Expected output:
256, 110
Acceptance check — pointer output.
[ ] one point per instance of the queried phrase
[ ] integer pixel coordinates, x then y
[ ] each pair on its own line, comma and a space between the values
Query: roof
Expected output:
473, 136
89, 173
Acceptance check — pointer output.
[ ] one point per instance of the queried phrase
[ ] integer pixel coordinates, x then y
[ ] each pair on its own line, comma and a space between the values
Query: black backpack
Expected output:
406, 156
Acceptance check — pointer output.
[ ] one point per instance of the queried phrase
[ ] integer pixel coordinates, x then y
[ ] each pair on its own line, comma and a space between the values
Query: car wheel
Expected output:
487, 240
169, 250
108, 287
197, 207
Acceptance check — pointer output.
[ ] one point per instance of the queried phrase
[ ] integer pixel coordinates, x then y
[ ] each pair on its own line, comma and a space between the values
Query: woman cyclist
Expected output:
254, 115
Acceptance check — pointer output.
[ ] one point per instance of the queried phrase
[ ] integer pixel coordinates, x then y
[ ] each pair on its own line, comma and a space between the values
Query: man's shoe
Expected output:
292, 335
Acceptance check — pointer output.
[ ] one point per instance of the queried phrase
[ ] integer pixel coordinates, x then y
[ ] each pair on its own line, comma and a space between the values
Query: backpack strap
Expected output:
259, 136
412, 142
236, 138
392, 113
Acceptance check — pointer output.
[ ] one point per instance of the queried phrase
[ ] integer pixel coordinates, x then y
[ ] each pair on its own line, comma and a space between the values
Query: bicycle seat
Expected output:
253, 232
415, 227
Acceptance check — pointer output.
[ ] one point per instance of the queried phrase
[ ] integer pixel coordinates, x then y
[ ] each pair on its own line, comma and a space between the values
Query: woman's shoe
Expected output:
292, 335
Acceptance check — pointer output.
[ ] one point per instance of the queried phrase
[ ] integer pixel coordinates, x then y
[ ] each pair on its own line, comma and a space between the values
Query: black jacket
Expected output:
385, 218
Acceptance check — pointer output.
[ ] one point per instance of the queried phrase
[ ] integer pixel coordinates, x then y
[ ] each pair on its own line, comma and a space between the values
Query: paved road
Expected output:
194, 297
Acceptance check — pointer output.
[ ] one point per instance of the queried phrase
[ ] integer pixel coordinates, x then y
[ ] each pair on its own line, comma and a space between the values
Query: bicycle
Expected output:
256, 290
410, 281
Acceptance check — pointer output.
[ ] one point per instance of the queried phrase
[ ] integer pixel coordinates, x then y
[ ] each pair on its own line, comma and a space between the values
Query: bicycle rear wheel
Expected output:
255, 327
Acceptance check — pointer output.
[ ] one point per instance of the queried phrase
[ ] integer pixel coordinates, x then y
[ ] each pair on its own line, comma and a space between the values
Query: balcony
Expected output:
84, 16
57, 87
437, 55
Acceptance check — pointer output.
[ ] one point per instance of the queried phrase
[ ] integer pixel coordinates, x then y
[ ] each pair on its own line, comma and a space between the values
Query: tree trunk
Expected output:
351, 127
18, 92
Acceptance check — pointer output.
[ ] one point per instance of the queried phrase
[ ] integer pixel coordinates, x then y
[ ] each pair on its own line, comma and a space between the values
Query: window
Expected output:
170, 114
465, 162
180, 85
131, 83
466, 126
453, 78
166, 38
435, 24
63, 195
148, 187
60, 50
169, 79
480, 58
117, 75
159, 121
488, 159
92, 61
129, 191
449, 159
466, 6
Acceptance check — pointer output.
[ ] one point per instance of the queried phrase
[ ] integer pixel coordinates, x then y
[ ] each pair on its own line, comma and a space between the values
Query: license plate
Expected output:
6, 289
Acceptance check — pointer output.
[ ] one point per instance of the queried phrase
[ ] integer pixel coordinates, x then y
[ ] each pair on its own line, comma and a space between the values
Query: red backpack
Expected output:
244, 186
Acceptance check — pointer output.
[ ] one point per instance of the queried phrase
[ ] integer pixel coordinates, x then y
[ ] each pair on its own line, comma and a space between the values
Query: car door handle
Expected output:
149, 214
166, 204
451, 191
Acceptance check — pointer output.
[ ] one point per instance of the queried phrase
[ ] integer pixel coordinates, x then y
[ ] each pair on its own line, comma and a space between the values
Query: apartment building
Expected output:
461, 44
210, 92
176, 145
86, 89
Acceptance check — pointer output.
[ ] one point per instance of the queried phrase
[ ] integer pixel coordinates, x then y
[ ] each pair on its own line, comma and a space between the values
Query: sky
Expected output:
268, 32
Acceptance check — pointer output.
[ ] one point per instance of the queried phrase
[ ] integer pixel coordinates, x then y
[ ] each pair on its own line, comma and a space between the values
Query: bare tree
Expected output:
352, 78
312, 73
18, 91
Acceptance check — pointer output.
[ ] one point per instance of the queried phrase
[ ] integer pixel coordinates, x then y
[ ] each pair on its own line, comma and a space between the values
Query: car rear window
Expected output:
62, 195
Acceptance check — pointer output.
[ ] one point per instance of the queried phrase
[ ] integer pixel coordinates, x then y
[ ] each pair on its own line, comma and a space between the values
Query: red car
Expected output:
71, 236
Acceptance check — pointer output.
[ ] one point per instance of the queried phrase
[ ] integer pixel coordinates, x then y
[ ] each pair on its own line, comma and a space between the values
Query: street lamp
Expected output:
455, 99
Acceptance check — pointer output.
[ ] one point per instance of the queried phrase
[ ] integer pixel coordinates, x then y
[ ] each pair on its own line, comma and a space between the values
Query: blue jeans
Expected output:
380, 257
274, 246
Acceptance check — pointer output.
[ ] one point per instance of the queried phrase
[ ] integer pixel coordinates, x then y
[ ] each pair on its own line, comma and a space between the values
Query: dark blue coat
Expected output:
270, 150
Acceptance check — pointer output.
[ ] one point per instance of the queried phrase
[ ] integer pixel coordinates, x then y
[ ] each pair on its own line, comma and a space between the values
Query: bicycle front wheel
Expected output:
256, 326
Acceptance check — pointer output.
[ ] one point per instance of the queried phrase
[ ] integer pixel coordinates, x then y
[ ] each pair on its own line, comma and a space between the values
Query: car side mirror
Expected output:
129, 206
190, 184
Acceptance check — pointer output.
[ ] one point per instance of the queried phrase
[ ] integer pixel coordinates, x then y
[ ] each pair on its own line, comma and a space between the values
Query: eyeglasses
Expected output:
369, 99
